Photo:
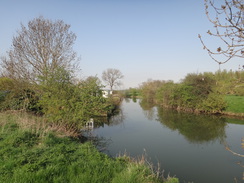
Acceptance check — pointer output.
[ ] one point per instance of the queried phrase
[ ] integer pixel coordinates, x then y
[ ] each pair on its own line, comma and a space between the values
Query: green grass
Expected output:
34, 154
235, 104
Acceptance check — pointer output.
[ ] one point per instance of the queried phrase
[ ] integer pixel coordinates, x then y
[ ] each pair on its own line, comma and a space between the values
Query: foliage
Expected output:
69, 104
230, 82
215, 103
18, 95
183, 97
39, 76
6, 84
28, 155
202, 84
165, 94
149, 89
133, 92
188, 95
58, 98
228, 25
24, 99
196, 92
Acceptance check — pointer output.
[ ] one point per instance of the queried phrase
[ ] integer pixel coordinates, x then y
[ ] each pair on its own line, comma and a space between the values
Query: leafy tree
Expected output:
202, 84
112, 77
69, 104
184, 97
230, 82
196, 93
165, 94
38, 49
40, 69
228, 21
149, 89
94, 79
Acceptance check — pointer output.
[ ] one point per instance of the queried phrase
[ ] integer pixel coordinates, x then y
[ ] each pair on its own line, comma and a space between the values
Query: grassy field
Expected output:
235, 104
31, 151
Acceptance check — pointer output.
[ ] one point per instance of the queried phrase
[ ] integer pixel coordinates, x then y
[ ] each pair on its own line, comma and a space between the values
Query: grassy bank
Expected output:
235, 106
235, 103
32, 151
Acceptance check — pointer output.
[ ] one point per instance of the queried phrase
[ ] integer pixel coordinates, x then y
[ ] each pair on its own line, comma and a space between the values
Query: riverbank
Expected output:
235, 106
33, 151
234, 109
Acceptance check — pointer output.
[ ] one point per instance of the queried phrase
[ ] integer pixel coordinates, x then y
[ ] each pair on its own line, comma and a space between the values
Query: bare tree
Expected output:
39, 49
228, 22
112, 77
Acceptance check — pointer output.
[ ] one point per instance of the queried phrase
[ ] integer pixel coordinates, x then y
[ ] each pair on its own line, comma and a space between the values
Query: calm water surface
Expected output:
191, 147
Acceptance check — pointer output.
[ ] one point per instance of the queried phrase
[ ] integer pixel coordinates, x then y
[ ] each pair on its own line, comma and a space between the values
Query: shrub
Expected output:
215, 103
70, 104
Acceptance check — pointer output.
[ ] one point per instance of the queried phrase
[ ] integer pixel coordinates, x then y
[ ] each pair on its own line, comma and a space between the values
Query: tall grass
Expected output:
31, 151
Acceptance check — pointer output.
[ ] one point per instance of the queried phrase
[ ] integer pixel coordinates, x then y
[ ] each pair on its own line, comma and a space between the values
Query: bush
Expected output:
239, 89
215, 103
68, 104
22, 99
165, 94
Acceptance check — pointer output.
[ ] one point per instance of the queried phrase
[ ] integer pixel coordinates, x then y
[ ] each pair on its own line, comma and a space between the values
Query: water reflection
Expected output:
186, 145
148, 109
195, 128
116, 119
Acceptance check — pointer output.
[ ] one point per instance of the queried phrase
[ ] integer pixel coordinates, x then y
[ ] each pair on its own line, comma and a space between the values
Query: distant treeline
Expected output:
197, 92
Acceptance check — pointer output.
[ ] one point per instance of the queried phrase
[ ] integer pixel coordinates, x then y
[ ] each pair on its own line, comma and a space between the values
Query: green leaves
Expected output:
70, 104
196, 93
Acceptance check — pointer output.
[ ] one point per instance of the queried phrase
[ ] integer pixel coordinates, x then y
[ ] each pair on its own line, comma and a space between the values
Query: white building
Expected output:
107, 93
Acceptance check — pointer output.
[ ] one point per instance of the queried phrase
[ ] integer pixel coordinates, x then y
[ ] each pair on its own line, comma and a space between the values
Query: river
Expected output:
190, 147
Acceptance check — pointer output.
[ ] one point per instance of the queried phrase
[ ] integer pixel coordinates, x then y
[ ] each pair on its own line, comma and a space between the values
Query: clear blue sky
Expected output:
144, 39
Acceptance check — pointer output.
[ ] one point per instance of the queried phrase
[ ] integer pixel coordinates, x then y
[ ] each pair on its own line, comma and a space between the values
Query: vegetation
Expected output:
38, 76
38, 49
203, 92
235, 103
59, 100
132, 93
31, 151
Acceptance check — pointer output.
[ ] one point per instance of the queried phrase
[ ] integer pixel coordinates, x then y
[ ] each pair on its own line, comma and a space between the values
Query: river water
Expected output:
190, 147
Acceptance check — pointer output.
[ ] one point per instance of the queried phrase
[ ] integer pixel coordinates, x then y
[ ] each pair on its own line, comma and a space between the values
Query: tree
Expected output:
39, 49
94, 79
68, 104
112, 77
228, 27
149, 89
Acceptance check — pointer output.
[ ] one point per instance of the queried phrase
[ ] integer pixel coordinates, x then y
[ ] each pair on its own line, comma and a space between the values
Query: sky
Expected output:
144, 39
